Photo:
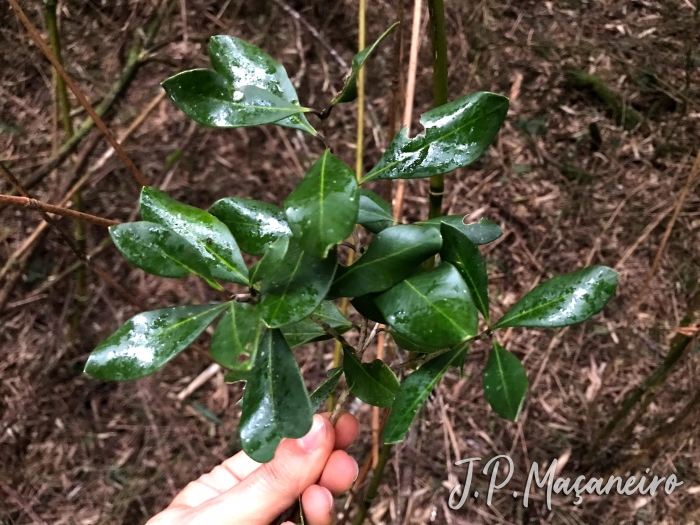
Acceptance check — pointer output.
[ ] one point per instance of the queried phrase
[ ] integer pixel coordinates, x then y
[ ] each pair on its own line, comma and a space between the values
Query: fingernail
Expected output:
357, 472
314, 438
329, 497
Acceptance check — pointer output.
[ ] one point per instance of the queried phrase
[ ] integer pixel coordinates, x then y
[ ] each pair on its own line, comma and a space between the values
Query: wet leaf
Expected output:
482, 232
505, 383
211, 100
148, 340
414, 392
324, 390
202, 230
458, 250
254, 224
276, 404
375, 212
433, 310
322, 210
273, 255
374, 383
296, 287
456, 134
160, 251
235, 341
366, 307
391, 256
244, 64
349, 92
307, 331
563, 300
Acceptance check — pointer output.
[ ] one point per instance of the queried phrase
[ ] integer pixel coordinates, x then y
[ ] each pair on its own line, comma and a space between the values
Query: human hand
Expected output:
241, 491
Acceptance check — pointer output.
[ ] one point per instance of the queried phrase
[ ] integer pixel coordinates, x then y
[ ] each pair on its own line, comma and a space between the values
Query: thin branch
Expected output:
34, 204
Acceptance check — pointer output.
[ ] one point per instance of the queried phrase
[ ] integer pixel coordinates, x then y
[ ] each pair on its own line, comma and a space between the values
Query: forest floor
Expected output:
568, 184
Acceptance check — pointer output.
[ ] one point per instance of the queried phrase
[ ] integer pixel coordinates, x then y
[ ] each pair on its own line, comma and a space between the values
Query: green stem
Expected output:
55, 43
373, 488
439, 41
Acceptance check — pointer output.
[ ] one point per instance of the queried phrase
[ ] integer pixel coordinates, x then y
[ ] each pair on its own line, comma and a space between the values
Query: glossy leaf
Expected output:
505, 383
433, 309
456, 134
375, 212
563, 300
458, 250
374, 383
244, 64
234, 376
482, 232
391, 257
414, 392
349, 92
366, 307
324, 390
160, 251
148, 340
404, 343
322, 210
211, 100
273, 255
202, 230
235, 341
307, 331
296, 287
254, 224
276, 404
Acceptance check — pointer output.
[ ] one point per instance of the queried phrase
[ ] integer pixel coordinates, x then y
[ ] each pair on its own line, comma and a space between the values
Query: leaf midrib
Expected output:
280, 298
434, 307
528, 312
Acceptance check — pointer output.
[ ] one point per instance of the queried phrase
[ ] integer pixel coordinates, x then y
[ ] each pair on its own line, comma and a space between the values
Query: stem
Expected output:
373, 488
55, 43
34, 204
437, 34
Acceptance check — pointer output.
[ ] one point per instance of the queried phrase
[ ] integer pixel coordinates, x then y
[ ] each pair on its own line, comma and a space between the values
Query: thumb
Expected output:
274, 487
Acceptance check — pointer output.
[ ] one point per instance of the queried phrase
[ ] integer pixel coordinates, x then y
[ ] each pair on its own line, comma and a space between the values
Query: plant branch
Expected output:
34, 204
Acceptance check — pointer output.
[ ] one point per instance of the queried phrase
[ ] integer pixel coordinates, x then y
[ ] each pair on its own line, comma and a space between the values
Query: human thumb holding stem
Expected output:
241, 491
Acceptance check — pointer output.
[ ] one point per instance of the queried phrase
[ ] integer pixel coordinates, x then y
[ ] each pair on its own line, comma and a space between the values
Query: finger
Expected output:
241, 465
275, 486
318, 504
347, 428
340, 472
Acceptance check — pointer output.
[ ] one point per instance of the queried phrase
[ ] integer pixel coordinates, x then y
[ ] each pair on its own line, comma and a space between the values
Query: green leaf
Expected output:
405, 343
366, 307
234, 376
319, 396
148, 340
505, 383
254, 224
482, 232
375, 212
322, 210
433, 309
211, 100
391, 256
414, 392
307, 331
456, 134
235, 341
296, 286
374, 383
273, 256
159, 251
563, 300
349, 92
244, 64
202, 230
276, 404
465, 256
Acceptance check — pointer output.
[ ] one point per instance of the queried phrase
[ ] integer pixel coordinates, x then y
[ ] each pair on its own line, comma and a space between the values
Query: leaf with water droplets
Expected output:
482, 232
375, 212
244, 64
349, 92
148, 340
211, 100
505, 383
235, 341
433, 309
276, 404
322, 210
456, 134
296, 286
160, 251
563, 300
391, 257
324, 390
307, 330
414, 392
273, 256
374, 383
254, 224
202, 230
